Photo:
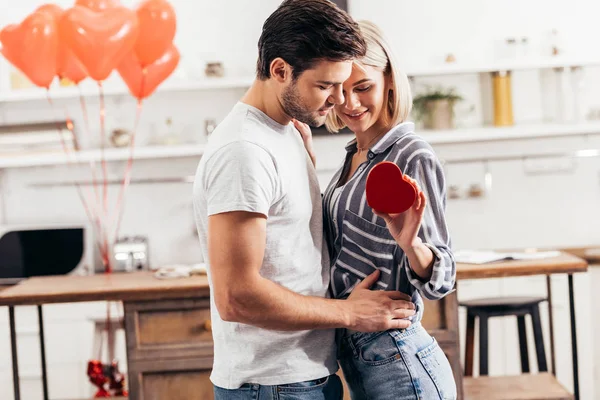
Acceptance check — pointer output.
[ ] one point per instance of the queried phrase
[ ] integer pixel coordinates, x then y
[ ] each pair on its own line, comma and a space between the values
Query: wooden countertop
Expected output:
144, 286
101, 287
565, 263
590, 254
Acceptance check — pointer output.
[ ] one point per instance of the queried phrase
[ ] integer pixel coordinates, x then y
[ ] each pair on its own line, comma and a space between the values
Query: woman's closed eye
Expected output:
363, 89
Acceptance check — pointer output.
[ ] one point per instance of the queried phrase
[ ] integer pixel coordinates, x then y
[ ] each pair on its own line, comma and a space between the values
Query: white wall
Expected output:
424, 32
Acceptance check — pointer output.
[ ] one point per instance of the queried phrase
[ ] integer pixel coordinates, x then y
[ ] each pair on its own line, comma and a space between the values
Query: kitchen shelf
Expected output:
110, 154
487, 133
90, 89
515, 132
458, 68
434, 137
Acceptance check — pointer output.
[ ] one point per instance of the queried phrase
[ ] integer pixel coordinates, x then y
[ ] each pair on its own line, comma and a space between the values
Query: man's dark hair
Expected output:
304, 32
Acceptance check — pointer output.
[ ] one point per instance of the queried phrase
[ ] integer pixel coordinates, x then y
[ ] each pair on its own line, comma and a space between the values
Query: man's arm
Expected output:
236, 245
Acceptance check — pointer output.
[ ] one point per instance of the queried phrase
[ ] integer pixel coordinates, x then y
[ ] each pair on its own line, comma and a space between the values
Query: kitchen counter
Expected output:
135, 286
169, 333
565, 263
591, 254
167, 326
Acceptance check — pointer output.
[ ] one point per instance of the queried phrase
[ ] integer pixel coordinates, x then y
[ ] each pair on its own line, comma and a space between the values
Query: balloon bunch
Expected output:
92, 39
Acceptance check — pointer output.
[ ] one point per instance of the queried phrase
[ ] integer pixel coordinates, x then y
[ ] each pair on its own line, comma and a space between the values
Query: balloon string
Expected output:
127, 175
87, 134
92, 216
109, 332
105, 254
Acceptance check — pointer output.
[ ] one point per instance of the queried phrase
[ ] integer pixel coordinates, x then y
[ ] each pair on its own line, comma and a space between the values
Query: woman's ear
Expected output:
389, 81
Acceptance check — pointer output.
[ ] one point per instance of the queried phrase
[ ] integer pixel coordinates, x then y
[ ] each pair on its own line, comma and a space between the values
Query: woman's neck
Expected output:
367, 139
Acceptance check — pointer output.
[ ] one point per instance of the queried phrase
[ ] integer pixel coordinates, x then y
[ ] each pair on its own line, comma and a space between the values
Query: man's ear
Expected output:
280, 70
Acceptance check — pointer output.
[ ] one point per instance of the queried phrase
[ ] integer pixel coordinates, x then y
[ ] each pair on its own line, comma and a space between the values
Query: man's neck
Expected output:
262, 96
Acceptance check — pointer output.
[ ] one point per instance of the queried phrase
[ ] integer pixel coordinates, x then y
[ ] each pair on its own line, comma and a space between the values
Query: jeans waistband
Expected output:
350, 340
407, 331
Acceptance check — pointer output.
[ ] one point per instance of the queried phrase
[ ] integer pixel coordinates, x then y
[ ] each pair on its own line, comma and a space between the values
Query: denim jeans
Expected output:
405, 364
328, 388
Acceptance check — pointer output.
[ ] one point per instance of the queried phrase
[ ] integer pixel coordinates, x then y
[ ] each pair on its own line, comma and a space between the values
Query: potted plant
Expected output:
435, 108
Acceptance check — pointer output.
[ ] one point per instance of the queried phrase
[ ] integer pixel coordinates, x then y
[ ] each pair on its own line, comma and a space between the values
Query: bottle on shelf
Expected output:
502, 96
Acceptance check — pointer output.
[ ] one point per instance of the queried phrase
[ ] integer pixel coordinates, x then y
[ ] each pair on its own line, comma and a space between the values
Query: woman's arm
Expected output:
422, 232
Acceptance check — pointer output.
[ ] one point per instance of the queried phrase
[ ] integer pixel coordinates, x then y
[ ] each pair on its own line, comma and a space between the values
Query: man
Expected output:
258, 211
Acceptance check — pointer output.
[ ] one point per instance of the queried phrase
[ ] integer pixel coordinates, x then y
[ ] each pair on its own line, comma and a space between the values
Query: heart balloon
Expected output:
100, 40
388, 191
142, 81
98, 5
52, 9
67, 65
157, 30
32, 47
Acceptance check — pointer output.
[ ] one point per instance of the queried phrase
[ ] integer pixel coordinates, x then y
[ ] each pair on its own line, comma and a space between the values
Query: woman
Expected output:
411, 250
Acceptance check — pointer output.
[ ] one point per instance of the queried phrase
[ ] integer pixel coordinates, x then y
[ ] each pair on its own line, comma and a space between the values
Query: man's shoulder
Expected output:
240, 125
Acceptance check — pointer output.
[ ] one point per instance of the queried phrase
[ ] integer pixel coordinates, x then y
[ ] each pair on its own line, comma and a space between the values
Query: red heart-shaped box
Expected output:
388, 191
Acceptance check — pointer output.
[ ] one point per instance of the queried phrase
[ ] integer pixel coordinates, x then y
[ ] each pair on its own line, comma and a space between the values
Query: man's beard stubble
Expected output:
293, 106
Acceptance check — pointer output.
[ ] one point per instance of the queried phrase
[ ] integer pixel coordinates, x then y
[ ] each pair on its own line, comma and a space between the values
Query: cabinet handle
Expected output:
208, 325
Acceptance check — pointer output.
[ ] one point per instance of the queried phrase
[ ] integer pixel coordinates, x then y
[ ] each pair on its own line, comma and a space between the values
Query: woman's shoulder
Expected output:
412, 148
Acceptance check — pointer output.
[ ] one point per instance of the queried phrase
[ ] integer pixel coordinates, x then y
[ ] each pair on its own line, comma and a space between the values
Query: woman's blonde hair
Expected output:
380, 55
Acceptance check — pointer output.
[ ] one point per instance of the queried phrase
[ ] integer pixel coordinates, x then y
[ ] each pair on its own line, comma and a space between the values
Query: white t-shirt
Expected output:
255, 164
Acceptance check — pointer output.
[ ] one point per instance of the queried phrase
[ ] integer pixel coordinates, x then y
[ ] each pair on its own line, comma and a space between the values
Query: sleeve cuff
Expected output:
436, 252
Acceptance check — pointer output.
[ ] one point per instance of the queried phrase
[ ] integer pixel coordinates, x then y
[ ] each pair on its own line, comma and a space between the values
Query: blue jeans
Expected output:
405, 364
328, 388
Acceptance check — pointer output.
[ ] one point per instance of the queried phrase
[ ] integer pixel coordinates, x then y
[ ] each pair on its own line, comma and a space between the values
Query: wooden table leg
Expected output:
574, 338
451, 324
13, 349
551, 323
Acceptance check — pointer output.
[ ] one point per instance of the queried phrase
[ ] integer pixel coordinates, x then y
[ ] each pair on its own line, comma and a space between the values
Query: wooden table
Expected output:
147, 301
102, 287
565, 263
591, 254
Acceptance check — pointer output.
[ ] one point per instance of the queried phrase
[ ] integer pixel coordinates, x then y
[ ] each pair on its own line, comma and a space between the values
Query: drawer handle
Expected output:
201, 328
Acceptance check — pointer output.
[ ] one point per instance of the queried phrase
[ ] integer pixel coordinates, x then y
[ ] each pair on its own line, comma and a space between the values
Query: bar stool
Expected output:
486, 308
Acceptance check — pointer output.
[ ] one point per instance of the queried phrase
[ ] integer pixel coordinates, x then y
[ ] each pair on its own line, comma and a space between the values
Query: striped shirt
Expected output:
359, 241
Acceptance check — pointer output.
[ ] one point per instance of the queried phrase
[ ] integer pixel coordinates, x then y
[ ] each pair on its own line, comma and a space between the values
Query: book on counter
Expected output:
483, 257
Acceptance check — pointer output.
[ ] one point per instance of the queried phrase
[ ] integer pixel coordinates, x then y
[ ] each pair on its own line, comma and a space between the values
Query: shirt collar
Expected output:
387, 140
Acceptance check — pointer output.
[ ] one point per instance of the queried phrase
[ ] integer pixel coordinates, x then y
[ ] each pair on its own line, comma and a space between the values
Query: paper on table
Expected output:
180, 271
482, 257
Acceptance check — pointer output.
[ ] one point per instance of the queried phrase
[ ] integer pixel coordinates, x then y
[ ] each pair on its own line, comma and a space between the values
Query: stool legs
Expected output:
539, 339
483, 344
532, 310
470, 345
523, 344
